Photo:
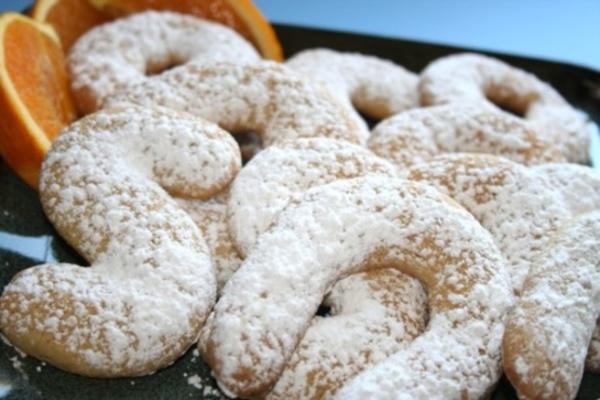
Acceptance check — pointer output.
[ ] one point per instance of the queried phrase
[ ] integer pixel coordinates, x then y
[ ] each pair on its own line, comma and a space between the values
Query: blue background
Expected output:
551, 29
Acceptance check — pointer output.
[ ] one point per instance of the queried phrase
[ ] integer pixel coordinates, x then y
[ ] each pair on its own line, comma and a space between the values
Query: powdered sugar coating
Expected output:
375, 86
549, 330
418, 135
580, 189
519, 207
522, 207
341, 228
112, 56
578, 185
211, 217
374, 314
476, 78
263, 97
284, 172
151, 284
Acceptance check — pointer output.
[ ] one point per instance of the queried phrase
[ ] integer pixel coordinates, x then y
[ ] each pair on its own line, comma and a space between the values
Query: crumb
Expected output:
16, 363
195, 381
209, 390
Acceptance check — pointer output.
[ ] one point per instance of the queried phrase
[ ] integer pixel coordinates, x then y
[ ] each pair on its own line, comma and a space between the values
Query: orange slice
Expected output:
70, 18
35, 101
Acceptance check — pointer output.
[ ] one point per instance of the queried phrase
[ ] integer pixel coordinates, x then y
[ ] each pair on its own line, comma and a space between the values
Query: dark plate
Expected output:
27, 239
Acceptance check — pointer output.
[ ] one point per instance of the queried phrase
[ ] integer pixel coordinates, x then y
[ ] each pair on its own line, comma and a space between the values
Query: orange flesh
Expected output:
35, 100
72, 18
36, 68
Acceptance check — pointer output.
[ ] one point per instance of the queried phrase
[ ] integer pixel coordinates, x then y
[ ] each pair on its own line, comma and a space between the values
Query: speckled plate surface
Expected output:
27, 239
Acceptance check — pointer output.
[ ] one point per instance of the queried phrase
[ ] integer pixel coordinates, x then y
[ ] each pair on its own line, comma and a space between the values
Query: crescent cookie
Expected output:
374, 86
580, 188
112, 56
151, 284
477, 78
416, 136
380, 311
549, 330
345, 227
263, 97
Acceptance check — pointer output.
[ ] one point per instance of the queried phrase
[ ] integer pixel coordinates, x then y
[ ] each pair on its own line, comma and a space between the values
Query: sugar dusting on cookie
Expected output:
115, 55
212, 219
519, 206
263, 97
549, 330
336, 229
460, 78
372, 315
151, 284
374, 86
286, 170
416, 136
525, 208
381, 311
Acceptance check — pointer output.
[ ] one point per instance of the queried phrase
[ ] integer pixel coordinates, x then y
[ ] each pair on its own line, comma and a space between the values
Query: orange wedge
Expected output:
70, 18
35, 101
